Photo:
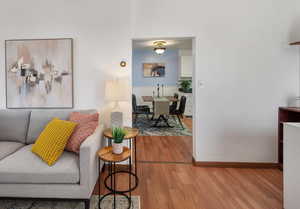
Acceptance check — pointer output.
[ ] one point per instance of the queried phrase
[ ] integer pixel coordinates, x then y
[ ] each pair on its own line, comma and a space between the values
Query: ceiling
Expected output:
179, 43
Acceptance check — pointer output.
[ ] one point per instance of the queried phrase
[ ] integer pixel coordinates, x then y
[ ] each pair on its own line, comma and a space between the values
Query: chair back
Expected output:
173, 106
134, 105
182, 104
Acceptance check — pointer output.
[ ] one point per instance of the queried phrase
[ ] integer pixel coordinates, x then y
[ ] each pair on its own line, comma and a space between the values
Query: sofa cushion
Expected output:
86, 126
52, 141
14, 125
25, 167
7, 148
40, 118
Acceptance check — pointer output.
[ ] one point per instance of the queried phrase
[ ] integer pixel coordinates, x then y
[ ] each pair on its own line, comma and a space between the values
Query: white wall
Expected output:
242, 57
245, 63
101, 33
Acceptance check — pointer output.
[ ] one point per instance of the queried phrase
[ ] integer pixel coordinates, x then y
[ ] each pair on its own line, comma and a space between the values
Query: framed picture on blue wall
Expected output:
151, 70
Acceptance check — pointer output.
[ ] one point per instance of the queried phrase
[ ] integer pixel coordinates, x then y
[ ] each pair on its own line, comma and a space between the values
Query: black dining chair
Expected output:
173, 106
139, 109
180, 111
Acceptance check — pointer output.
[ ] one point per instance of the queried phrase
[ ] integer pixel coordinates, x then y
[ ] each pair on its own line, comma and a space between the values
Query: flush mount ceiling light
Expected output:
159, 47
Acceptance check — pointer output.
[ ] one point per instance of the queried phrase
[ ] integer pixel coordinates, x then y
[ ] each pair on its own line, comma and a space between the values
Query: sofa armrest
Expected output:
89, 161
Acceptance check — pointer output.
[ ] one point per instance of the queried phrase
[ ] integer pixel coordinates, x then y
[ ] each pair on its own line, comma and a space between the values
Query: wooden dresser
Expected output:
285, 114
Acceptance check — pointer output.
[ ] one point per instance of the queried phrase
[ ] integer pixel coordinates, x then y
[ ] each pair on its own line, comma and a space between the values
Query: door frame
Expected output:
195, 82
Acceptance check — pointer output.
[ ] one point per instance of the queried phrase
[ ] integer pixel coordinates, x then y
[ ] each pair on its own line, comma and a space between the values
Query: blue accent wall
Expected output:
170, 58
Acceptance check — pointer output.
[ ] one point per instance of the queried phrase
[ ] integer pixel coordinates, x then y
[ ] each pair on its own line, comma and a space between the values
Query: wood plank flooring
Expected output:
175, 149
164, 149
169, 180
188, 122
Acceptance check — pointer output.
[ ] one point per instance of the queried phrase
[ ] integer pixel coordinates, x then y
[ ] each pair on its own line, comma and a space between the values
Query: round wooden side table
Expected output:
105, 154
131, 135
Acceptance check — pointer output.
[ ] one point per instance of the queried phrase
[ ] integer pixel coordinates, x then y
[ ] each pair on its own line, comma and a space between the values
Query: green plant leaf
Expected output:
118, 135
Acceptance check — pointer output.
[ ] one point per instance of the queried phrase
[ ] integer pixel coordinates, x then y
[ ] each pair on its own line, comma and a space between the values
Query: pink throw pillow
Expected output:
87, 124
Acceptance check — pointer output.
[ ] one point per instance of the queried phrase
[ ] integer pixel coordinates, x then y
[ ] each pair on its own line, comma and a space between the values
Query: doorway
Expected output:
163, 98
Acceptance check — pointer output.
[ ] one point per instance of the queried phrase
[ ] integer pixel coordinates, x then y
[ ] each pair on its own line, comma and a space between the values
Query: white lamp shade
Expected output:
117, 90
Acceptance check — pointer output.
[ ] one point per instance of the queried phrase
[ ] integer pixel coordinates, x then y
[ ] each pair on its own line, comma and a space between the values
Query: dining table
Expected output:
151, 98
160, 108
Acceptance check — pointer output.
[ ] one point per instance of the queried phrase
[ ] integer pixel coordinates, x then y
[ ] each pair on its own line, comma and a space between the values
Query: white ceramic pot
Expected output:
117, 148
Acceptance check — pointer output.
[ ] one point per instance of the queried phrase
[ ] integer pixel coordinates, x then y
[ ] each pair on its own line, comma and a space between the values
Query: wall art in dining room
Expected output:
154, 69
39, 73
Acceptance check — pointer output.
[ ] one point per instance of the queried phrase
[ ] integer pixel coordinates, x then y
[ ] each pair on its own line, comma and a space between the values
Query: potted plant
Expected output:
185, 85
118, 136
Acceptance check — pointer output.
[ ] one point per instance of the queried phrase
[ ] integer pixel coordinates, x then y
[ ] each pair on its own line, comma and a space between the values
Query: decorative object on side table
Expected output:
118, 136
117, 91
39, 73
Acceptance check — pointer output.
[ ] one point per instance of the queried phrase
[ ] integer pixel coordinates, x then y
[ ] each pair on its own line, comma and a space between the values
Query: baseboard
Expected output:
234, 164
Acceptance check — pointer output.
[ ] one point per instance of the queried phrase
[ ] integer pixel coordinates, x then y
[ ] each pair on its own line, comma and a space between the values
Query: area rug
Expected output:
122, 203
146, 128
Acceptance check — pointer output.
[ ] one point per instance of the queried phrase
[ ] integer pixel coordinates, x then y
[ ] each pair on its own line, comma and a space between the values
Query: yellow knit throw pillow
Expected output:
52, 141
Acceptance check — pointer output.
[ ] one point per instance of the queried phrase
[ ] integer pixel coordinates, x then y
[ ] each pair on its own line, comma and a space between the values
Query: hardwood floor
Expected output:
178, 186
164, 149
175, 149
168, 180
188, 122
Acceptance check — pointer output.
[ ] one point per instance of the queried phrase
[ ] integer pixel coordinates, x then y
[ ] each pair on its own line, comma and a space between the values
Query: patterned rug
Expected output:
146, 129
122, 203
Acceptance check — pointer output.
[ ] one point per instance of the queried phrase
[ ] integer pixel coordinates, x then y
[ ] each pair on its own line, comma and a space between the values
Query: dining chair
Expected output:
173, 106
161, 111
180, 111
139, 109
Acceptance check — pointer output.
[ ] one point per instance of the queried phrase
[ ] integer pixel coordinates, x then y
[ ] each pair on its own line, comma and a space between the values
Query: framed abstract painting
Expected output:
39, 73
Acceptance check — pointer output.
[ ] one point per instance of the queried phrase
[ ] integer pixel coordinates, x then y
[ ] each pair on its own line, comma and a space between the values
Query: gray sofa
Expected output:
25, 175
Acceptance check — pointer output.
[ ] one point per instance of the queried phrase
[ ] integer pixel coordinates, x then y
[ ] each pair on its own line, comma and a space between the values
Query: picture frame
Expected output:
39, 73
154, 70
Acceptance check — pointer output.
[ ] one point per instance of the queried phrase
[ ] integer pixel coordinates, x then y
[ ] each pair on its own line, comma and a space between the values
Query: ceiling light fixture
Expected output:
159, 47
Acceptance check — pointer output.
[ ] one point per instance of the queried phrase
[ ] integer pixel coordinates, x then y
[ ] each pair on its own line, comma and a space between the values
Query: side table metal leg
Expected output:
110, 173
130, 201
130, 145
99, 182
135, 159
114, 170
